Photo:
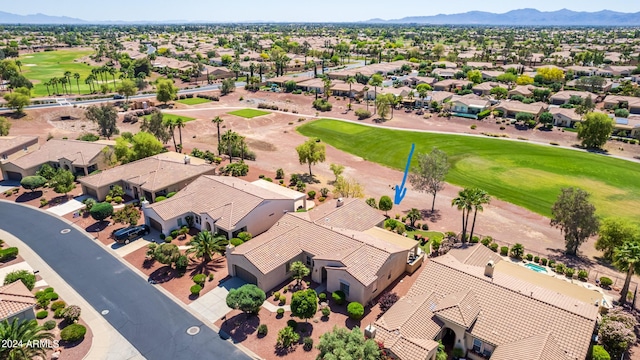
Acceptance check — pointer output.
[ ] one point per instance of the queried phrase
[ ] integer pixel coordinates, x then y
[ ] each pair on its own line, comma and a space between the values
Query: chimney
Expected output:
187, 159
339, 202
488, 270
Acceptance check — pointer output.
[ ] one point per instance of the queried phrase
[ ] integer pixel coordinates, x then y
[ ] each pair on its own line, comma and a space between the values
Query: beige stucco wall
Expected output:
395, 266
267, 281
19, 151
461, 341
13, 168
356, 289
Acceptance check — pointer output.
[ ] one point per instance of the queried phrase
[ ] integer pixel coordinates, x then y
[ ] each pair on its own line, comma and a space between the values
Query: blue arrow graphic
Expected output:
401, 191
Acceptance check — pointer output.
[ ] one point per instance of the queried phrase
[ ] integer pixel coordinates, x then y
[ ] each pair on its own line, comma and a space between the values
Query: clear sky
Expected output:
289, 10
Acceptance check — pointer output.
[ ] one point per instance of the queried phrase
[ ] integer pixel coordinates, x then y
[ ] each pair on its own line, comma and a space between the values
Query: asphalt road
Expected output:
152, 322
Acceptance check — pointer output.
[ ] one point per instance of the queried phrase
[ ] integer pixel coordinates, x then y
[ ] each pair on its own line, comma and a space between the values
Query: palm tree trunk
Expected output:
173, 134
180, 131
625, 288
466, 226
473, 224
463, 229
219, 150
229, 151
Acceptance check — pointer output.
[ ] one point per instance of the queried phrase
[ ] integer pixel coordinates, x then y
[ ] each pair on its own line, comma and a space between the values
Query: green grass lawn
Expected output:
432, 235
167, 116
248, 113
41, 67
524, 174
194, 101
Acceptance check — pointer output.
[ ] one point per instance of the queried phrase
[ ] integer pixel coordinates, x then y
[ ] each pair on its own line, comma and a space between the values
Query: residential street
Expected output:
152, 322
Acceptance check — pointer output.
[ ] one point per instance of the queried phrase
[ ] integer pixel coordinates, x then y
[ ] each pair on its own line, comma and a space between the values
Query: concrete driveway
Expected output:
213, 305
8, 185
70, 206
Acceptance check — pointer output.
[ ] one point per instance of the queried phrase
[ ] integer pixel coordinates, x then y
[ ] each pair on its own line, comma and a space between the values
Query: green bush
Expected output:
599, 353
42, 314
175, 233
536, 259
292, 324
71, 313
160, 198
43, 302
543, 261
312, 194
276, 295
569, 272
322, 297
363, 114
8, 253
484, 114
58, 305
280, 311
339, 297
52, 296
493, 247
171, 194
504, 250
551, 262
195, 289
529, 257
425, 227
583, 274
355, 310
486, 241
58, 314
263, 330
33, 182
282, 299
27, 278
605, 281
322, 105
236, 242
559, 269
73, 333
326, 311
182, 262
49, 325
117, 199
168, 239
199, 279
101, 211
308, 344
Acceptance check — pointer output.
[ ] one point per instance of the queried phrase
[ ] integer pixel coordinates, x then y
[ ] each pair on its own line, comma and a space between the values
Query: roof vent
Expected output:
187, 159
488, 270
339, 202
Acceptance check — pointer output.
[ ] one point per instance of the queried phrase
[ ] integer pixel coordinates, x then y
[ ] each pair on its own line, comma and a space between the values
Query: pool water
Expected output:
536, 268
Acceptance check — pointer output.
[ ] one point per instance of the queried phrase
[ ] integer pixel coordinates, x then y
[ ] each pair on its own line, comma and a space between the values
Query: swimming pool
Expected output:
536, 268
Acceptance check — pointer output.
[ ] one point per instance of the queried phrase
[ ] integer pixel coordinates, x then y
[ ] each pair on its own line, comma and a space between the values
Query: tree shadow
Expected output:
306, 178
97, 226
148, 263
579, 262
433, 216
15, 115
201, 267
163, 274
241, 326
28, 196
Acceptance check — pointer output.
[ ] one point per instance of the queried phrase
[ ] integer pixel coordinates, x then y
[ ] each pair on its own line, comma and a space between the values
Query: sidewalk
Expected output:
107, 342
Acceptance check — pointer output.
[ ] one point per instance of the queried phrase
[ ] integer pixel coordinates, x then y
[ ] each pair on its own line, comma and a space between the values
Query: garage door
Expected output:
154, 224
91, 192
245, 275
12, 175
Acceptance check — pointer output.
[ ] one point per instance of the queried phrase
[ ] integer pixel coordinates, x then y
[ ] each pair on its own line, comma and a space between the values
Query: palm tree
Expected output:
67, 76
205, 245
414, 215
218, 120
375, 81
19, 65
171, 125
77, 77
89, 81
47, 84
30, 337
54, 82
627, 258
463, 202
180, 123
112, 71
479, 198
326, 87
366, 95
350, 80
231, 139
63, 82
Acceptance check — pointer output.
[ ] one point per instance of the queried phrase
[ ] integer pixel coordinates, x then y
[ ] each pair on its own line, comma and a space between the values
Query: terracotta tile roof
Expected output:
539, 347
15, 298
520, 107
475, 255
461, 308
567, 94
354, 214
152, 173
360, 254
8, 143
79, 152
568, 113
225, 199
510, 309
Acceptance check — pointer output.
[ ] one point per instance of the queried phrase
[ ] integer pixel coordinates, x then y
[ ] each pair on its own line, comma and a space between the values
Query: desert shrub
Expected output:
473, 127
43, 202
504, 250
312, 194
605, 281
486, 241
280, 311
583, 274
292, 324
280, 174
339, 297
308, 344
529, 257
387, 300
236, 242
49, 325
559, 268
235, 169
195, 289
71, 313
287, 337
401, 228
58, 305
536, 259
73, 333
474, 240
52, 296
27, 278
8, 253
326, 311
168, 239
322, 297
282, 299
543, 261
101, 211
599, 353
322, 198
58, 314
493, 247
324, 192
199, 279
42, 314
569, 272
276, 295
355, 310
263, 330
425, 227
322, 105
43, 301
362, 114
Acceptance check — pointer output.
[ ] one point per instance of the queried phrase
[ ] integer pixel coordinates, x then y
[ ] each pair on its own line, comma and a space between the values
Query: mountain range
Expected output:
524, 17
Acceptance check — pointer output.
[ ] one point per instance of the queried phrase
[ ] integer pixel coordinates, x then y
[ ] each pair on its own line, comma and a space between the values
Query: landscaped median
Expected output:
524, 174
248, 113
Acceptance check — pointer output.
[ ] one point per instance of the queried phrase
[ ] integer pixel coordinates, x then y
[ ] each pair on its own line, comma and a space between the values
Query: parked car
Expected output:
125, 235
118, 97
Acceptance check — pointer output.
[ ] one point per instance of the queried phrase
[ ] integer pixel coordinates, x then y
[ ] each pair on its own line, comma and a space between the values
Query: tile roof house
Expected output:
464, 300
468, 106
451, 84
564, 117
359, 258
633, 103
221, 204
146, 178
563, 97
13, 147
16, 301
511, 108
486, 87
80, 157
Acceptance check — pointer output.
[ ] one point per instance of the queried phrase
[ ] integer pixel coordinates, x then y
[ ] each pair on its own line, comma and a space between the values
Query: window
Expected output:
344, 287
477, 345
288, 268
308, 260
487, 351
198, 219
180, 222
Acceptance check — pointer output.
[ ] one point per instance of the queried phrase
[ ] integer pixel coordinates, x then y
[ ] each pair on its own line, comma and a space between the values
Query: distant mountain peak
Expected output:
525, 17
